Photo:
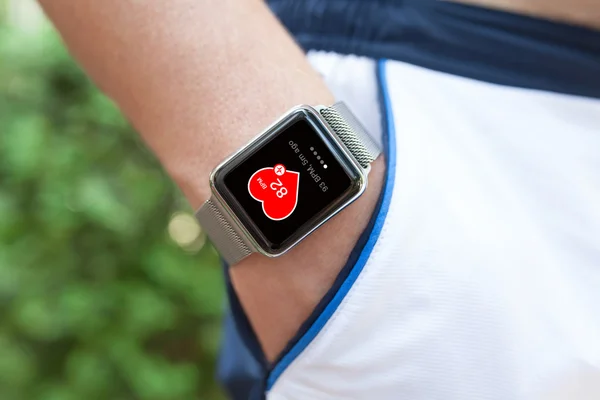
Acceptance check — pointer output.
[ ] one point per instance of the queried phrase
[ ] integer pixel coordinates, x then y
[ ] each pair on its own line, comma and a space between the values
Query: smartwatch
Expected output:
288, 181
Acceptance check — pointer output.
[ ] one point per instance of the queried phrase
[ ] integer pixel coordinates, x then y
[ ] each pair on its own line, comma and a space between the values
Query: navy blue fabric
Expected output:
477, 43
242, 364
362, 249
238, 369
243, 368
487, 45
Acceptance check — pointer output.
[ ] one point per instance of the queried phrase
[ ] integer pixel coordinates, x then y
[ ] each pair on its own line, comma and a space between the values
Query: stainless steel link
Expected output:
352, 133
223, 232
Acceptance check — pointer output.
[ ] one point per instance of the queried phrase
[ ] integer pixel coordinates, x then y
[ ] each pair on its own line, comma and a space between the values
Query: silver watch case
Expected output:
338, 149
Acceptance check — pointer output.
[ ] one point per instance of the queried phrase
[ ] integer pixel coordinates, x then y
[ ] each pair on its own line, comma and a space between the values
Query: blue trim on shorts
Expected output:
473, 42
488, 45
341, 292
243, 369
242, 364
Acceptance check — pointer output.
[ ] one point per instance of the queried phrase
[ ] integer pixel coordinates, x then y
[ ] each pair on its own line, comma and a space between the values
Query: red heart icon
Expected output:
277, 189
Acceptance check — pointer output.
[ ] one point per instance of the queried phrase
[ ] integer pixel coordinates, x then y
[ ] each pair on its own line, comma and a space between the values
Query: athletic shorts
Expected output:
478, 277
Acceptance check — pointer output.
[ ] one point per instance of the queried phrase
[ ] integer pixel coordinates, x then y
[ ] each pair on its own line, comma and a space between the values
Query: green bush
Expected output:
97, 301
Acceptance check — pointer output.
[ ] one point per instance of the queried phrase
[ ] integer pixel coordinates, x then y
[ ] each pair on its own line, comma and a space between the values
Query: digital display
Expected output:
284, 188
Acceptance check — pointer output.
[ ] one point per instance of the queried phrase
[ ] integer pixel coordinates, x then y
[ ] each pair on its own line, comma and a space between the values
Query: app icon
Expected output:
277, 189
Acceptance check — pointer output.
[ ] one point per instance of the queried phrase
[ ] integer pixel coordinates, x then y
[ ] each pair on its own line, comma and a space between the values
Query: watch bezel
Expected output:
354, 170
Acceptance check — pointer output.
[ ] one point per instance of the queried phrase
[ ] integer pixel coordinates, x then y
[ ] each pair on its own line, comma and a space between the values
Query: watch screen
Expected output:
288, 184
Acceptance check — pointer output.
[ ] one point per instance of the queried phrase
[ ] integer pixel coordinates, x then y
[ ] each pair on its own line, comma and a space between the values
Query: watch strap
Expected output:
226, 234
352, 133
223, 231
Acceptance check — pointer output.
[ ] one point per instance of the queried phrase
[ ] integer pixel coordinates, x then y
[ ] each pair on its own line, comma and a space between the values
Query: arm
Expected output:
198, 79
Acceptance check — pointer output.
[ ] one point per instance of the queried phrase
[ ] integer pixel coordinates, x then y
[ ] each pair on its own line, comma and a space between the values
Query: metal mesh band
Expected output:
222, 232
352, 133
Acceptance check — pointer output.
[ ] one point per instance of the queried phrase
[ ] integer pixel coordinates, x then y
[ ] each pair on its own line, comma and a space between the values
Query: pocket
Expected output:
360, 83
243, 368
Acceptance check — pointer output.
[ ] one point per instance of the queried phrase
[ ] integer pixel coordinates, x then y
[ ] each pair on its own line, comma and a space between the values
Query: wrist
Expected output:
279, 294
244, 214
191, 163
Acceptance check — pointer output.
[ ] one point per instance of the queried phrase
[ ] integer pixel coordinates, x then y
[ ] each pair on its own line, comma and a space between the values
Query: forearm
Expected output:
198, 79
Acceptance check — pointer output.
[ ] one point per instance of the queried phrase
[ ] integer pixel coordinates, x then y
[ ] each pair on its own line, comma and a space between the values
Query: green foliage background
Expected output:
96, 300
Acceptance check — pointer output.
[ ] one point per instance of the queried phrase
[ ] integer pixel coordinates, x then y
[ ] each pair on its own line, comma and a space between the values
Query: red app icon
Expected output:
277, 189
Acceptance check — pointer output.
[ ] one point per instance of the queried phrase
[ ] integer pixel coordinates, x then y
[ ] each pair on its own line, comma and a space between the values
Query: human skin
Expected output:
198, 79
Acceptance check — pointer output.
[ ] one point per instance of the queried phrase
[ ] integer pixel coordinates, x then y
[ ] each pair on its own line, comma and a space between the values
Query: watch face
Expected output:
288, 183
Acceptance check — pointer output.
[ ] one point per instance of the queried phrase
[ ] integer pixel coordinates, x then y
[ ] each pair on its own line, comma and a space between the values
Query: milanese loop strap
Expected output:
352, 133
224, 232
227, 239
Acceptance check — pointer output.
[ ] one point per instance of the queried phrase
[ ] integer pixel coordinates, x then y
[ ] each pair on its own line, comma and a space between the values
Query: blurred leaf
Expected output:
90, 372
57, 392
145, 310
97, 199
96, 301
17, 364
156, 379
85, 309
23, 146
38, 319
